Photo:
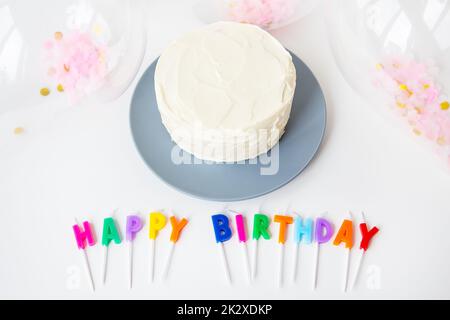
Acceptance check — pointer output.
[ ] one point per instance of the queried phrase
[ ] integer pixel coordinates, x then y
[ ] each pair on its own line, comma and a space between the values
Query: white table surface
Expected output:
81, 161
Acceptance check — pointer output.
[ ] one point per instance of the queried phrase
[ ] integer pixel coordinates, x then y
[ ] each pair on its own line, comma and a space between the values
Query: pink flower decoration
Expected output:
263, 13
417, 98
76, 62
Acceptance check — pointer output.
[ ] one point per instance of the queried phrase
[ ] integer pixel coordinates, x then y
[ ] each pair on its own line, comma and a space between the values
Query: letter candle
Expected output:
110, 233
157, 221
222, 231
303, 232
81, 237
345, 235
261, 224
133, 226
284, 221
242, 235
324, 231
177, 227
367, 235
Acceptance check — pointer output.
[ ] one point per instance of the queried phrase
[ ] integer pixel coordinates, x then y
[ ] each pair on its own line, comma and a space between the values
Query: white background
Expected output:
81, 162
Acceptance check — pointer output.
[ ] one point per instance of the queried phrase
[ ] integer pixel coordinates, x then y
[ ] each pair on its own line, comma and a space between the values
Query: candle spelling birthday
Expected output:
305, 231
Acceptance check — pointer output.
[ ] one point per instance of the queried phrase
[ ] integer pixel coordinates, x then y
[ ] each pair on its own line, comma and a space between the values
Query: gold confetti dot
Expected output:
417, 131
45, 92
60, 88
418, 110
58, 35
379, 66
404, 87
66, 68
445, 105
426, 86
19, 130
440, 141
401, 105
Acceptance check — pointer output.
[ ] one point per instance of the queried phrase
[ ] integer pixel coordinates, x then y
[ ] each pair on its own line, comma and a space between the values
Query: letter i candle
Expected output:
242, 235
81, 236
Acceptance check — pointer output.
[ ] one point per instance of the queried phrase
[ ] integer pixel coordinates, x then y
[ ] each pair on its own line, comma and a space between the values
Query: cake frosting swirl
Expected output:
225, 91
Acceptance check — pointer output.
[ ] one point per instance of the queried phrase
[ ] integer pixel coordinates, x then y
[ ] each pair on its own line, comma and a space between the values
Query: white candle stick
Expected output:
130, 263
246, 262
168, 260
295, 262
243, 245
360, 258
105, 263
316, 265
224, 261
281, 256
105, 256
88, 269
255, 251
151, 261
255, 258
87, 265
316, 260
347, 261
281, 266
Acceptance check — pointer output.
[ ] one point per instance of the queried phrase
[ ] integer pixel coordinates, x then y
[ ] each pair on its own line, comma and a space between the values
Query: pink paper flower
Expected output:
417, 98
263, 13
76, 62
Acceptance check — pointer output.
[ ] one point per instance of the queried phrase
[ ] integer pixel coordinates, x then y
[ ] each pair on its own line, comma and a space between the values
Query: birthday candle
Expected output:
222, 233
303, 232
157, 223
284, 221
324, 231
81, 237
367, 235
260, 228
177, 227
242, 235
110, 233
133, 226
345, 235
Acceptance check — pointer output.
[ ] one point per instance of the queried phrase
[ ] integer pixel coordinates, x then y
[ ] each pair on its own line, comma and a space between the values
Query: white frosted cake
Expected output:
225, 91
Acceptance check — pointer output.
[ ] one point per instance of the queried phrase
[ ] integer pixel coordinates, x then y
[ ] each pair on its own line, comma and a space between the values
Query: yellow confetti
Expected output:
404, 87
58, 35
97, 29
417, 131
60, 88
45, 92
440, 141
426, 86
19, 130
445, 105
401, 105
379, 66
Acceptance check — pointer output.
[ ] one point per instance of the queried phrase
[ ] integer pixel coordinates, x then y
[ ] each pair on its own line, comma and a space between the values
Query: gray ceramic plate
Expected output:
231, 182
